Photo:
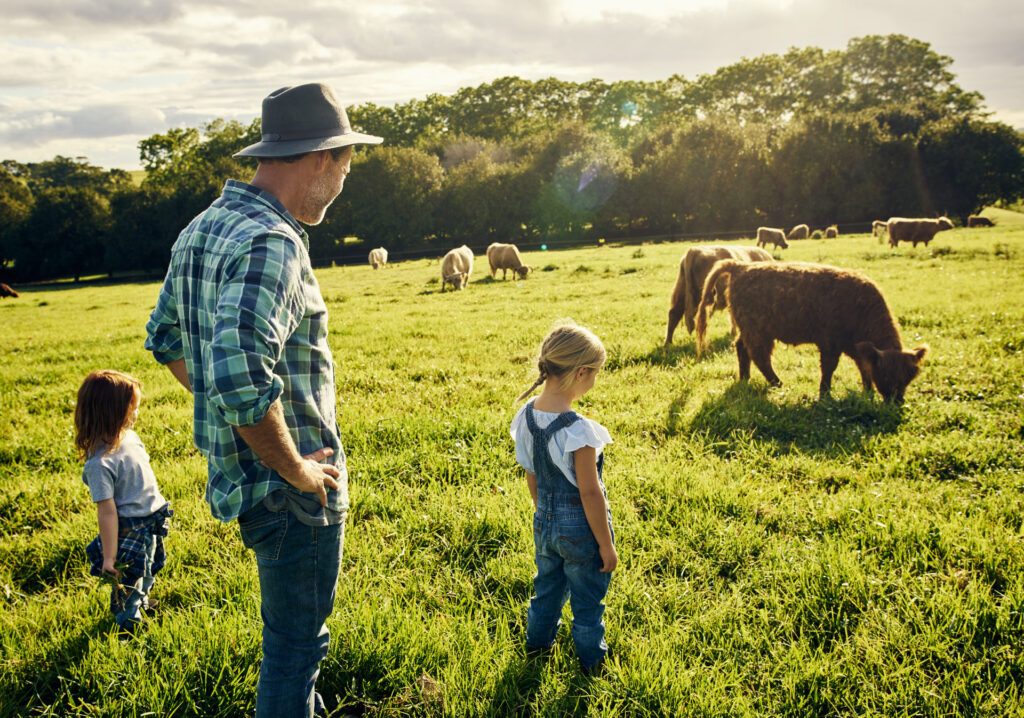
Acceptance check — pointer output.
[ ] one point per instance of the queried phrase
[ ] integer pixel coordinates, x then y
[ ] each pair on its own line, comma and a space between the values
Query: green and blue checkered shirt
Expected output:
240, 304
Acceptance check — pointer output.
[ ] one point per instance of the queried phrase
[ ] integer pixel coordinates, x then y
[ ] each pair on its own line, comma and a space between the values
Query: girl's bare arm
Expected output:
594, 505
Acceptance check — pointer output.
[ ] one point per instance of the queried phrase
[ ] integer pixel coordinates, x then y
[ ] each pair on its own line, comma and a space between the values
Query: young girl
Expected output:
562, 453
131, 512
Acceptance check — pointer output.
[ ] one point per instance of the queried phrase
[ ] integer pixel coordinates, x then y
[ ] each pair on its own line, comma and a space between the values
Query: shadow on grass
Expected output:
832, 427
664, 356
39, 684
514, 690
41, 569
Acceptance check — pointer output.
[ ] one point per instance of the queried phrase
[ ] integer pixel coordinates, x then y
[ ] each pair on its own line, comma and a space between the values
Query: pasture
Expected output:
779, 556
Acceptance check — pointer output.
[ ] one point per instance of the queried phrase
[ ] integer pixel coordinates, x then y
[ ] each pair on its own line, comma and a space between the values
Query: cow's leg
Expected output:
829, 362
761, 354
865, 372
674, 315
744, 359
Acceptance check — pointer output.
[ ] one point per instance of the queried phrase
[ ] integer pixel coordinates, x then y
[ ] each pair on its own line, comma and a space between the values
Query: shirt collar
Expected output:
244, 190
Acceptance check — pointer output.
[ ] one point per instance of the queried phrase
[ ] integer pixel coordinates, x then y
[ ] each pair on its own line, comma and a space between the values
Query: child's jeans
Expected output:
127, 602
568, 566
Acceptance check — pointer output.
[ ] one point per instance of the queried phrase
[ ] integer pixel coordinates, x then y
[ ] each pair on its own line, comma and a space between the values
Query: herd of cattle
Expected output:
839, 311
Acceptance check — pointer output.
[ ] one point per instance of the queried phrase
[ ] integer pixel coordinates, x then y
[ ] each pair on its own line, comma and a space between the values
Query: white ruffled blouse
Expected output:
585, 432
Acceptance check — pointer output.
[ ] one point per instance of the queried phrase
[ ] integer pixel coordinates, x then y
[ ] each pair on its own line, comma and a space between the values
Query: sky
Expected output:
93, 77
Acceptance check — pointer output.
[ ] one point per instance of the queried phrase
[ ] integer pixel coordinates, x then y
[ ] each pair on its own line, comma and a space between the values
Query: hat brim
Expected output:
298, 147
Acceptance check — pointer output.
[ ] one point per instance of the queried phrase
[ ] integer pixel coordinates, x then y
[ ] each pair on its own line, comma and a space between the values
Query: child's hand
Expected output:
609, 558
110, 567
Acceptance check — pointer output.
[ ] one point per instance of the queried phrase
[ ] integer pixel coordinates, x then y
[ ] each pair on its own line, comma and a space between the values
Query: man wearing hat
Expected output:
241, 323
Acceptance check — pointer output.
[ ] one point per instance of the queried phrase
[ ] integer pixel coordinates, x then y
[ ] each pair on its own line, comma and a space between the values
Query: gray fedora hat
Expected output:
305, 118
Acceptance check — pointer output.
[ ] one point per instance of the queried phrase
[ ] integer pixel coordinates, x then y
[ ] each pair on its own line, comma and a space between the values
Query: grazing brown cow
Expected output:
976, 220
693, 268
879, 228
506, 257
7, 291
839, 311
902, 229
771, 235
801, 231
831, 232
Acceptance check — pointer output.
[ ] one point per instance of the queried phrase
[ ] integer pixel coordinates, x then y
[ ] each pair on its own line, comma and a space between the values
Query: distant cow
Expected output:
506, 257
902, 229
693, 269
7, 291
801, 231
831, 232
976, 220
456, 267
878, 228
841, 312
771, 235
378, 257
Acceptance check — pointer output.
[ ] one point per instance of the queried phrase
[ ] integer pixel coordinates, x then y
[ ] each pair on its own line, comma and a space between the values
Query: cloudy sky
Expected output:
93, 77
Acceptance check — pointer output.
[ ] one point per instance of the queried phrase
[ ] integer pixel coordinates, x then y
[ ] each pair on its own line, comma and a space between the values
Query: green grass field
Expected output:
779, 556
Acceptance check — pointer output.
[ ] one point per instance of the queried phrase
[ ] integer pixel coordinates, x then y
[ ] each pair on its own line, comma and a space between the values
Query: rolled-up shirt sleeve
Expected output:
259, 305
163, 334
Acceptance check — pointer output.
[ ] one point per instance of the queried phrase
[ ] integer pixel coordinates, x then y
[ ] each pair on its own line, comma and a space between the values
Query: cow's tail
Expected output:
722, 269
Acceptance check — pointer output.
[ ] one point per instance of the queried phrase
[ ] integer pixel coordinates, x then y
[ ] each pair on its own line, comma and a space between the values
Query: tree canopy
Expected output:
818, 136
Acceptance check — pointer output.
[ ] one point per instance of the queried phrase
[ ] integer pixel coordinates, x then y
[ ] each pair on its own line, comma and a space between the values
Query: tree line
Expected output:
878, 129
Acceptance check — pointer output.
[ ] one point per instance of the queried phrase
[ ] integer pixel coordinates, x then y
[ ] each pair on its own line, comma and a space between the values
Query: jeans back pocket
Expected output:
263, 531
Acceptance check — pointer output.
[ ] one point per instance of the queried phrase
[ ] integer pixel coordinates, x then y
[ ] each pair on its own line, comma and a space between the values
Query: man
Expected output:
240, 321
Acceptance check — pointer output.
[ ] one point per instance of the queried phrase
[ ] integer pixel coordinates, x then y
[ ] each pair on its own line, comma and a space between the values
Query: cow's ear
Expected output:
867, 351
920, 353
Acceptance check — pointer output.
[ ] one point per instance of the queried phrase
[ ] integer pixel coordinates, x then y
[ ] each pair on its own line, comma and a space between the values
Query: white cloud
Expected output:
74, 72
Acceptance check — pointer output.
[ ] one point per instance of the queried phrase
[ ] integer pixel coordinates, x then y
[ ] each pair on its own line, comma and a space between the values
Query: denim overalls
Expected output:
566, 552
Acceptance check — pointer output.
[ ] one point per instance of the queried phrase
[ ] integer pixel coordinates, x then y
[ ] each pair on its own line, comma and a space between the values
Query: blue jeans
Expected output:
568, 566
298, 568
126, 603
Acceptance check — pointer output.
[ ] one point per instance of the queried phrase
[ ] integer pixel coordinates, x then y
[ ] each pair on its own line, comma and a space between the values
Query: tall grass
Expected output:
780, 556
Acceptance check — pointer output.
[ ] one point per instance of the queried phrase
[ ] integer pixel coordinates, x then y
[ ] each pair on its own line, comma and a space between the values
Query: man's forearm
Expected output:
272, 443
177, 368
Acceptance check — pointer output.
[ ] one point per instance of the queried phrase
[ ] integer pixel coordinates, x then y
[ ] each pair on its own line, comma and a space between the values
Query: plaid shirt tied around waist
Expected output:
132, 533
241, 306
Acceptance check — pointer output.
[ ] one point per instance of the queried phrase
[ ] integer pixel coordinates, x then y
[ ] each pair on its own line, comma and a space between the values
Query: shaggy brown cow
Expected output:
831, 232
878, 228
693, 268
797, 303
7, 291
915, 230
976, 220
801, 231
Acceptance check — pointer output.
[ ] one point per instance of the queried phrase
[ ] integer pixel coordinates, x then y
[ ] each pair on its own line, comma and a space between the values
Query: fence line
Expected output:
349, 258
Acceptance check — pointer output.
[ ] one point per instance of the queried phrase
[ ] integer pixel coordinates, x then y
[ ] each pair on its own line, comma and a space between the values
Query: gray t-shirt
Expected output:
124, 476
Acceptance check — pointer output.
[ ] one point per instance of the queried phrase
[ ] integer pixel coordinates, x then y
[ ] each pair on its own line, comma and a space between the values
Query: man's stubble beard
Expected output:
320, 196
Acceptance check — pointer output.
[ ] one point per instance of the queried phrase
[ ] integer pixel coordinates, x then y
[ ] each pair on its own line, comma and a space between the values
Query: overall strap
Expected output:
550, 479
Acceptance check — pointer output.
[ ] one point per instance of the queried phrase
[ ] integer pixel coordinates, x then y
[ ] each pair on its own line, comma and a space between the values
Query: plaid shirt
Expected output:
132, 533
241, 305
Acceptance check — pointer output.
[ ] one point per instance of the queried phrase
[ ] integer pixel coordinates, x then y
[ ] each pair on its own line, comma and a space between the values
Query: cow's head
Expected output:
891, 369
457, 280
945, 223
523, 271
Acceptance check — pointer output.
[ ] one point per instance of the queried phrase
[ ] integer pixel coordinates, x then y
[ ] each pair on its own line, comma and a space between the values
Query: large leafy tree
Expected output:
390, 196
16, 202
64, 236
969, 163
